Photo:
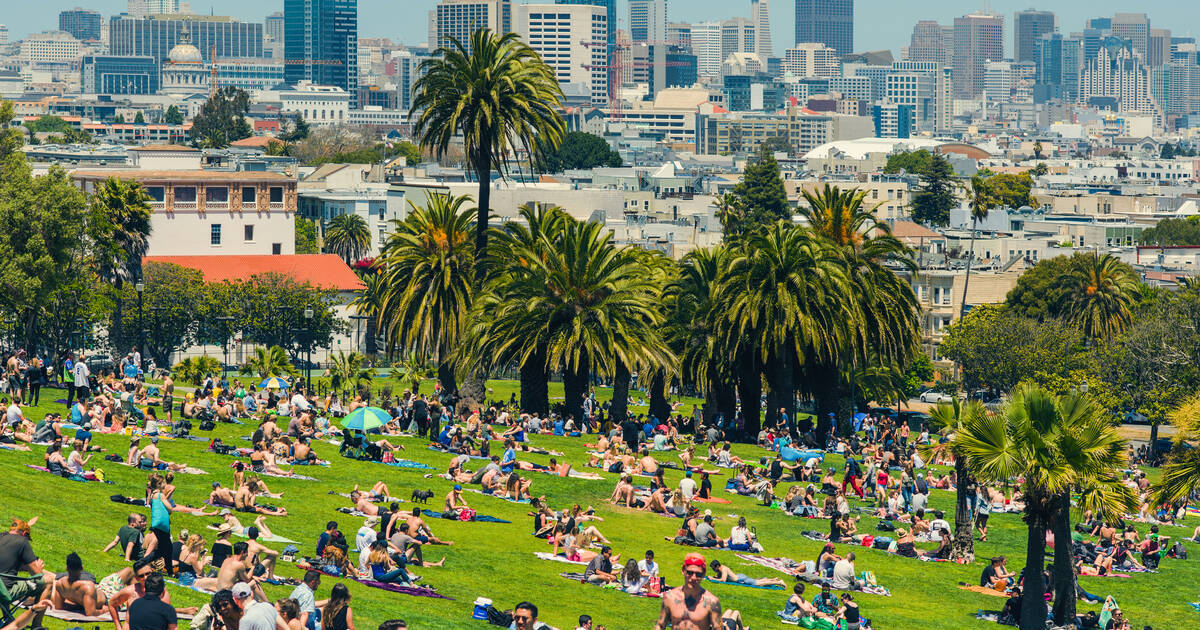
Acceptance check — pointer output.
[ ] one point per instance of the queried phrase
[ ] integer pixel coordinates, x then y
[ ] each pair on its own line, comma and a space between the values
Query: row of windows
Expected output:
213, 194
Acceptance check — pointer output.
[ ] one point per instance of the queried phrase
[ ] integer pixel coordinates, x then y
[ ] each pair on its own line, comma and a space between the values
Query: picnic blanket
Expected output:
271, 474
72, 477
765, 588
543, 555
488, 494
414, 591
383, 500
75, 617
408, 463
983, 590
711, 500
791, 567
819, 538
578, 577
482, 518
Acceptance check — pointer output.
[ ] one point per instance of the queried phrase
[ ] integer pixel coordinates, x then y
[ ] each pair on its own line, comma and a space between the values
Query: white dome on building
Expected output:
185, 53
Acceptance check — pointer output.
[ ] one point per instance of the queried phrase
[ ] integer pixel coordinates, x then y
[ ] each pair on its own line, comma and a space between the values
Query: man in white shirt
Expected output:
256, 615
299, 403
687, 486
843, 574
364, 538
81, 377
648, 567
13, 415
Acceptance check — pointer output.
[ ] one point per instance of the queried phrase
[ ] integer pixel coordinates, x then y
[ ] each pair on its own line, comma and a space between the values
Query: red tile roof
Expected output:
321, 270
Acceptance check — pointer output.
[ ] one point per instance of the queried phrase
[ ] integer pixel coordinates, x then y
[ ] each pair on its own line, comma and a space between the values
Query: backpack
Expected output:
1178, 551
498, 617
466, 514
207, 424
885, 526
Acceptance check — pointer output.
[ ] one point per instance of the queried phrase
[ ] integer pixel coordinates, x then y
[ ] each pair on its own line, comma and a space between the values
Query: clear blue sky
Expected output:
878, 23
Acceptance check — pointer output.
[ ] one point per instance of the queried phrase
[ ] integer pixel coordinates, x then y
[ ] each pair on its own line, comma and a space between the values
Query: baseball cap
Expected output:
225, 511
241, 590
457, 487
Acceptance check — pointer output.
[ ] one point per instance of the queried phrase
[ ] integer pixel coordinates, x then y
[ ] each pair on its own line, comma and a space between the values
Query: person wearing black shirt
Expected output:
149, 612
629, 432
988, 577
705, 487
775, 470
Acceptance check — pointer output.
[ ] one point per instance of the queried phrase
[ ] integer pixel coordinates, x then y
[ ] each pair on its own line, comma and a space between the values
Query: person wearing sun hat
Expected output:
690, 605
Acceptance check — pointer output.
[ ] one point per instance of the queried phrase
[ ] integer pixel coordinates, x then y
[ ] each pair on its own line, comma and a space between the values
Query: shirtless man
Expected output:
168, 400
419, 530
362, 503
244, 501
77, 595
690, 607
259, 553
454, 501
151, 452
236, 568
221, 495
141, 570
649, 464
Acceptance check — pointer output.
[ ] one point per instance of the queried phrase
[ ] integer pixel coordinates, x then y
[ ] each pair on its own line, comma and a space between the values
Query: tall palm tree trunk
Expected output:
575, 385
619, 407
1033, 602
445, 373
660, 408
1064, 571
781, 381
483, 170
963, 548
749, 389
535, 384
962, 308
722, 395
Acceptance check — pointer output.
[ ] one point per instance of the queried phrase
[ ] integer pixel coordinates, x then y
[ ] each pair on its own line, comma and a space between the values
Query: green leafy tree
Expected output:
758, 201
411, 152
173, 306
428, 266
412, 369
140, 119
981, 204
1040, 291
996, 349
222, 119
119, 119
1037, 150
1039, 169
693, 331
1010, 190
917, 374
580, 150
49, 124
268, 309
917, 162
119, 230
499, 96
348, 236
306, 236
1171, 231
296, 131
173, 116
777, 144
1100, 295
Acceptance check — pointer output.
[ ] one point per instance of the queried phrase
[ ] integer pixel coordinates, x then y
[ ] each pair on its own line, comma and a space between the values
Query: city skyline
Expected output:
875, 27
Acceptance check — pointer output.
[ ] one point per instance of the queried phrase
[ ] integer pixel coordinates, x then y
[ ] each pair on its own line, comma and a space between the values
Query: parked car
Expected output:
884, 412
916, 420
932, 396
99, 363
1134, 417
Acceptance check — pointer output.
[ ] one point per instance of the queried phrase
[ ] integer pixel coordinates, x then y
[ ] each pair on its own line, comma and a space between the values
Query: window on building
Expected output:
276, 249
185, 194
249, 231
249, 195
157, 193
216, 194
276, 194
215, 234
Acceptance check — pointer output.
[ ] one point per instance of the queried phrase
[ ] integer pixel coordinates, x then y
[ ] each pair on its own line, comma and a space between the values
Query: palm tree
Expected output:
120, 231
786, 295
348, 236
1181, 474
347, 374
1101, 294
411, 369
693, 333
498, 95
272, 361
503, 333
428, 269
840, 215
981, 204
1053, 444
950, 418
194, 369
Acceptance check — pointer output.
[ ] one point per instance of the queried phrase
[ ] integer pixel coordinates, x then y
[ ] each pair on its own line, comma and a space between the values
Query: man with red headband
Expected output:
690, 607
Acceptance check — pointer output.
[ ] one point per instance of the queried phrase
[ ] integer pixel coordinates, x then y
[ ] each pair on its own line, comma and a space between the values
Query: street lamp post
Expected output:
225, 319
141, 287
308, 316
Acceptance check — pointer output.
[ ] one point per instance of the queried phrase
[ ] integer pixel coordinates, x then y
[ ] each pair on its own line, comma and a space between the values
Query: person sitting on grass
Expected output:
417, 528
632, 580
142, 583
799, 607
245, 500
454, 503
706, 536
73, 593
599, 568
384, 569
722, 573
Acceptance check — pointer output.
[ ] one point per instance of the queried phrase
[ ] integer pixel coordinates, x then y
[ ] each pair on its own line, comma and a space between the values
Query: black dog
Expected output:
422, 496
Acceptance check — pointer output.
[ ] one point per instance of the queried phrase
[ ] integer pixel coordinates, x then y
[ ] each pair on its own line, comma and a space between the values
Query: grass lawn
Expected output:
496, 560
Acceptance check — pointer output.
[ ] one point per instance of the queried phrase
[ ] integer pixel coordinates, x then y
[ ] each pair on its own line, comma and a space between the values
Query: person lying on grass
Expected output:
722, 573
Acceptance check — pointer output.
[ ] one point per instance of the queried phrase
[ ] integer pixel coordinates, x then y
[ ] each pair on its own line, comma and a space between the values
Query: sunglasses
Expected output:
694, 573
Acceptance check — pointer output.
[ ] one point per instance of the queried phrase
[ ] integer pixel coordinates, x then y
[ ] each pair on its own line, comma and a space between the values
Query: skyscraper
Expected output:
648, 20
82, 24
273, 26
459, 19
737, 36
1118, 78
927, 43
1134, 27
610, 11
157, 35
562, 36
321, 43
1158, 48
142, 8
830, 22
706, 44
1028, 26
760, 14
978, 39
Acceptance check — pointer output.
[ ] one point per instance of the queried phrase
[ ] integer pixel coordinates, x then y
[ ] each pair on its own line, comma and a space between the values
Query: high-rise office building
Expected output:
830, 22
157, 35
1028, 26
142, 8
737, 36
679, 34
571, 39
1134, 27
104, 74
978, 39
648, 20
3, 33
706, 44
812, 60
760, 14
1057, 63
459, 19
610, 15
1158, 48
1117, 78
320, 39
927, 43
82, 24
273, 26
